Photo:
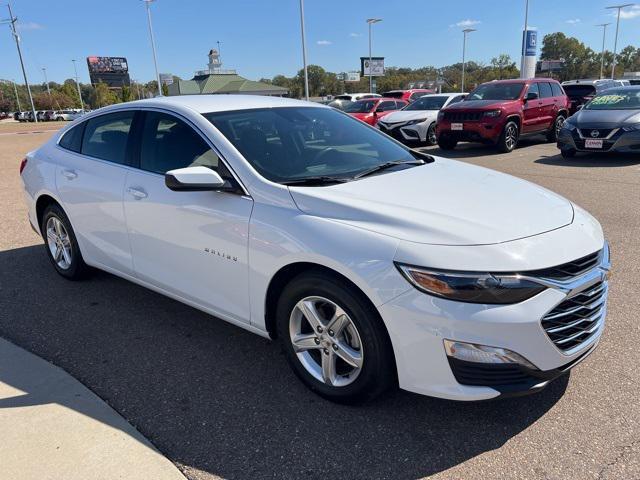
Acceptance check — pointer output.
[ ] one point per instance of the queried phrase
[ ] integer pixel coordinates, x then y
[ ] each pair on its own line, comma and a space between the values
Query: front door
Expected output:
531, 111
191, 244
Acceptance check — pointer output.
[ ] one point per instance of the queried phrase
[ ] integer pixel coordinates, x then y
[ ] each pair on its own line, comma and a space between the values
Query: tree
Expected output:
103, 96
126, 94
165, 90
503, 63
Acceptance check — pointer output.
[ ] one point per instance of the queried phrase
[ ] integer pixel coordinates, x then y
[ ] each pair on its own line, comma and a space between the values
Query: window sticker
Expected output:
608, 100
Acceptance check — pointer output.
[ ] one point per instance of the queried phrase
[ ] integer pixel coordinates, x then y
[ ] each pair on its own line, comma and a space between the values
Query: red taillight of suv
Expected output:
23, 164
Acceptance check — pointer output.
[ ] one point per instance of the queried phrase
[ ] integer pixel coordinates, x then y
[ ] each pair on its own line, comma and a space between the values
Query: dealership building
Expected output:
215, 80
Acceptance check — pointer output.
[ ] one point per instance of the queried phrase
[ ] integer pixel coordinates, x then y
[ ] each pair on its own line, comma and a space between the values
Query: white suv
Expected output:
372, 264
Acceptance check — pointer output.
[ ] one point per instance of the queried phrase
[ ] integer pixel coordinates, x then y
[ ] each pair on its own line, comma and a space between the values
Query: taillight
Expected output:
23, 164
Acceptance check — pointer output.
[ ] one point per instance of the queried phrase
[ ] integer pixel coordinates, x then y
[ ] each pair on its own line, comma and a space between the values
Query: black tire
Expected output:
431, 138
553, 134
76, 269
509, 137
378, 372
446, 143
568, 153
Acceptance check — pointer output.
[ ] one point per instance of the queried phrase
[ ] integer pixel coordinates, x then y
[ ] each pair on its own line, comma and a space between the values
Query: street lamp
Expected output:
75, 69
15, 89
44, 71
12, 21
524, 37
604, 35
464, 51
371, 21
153, 44
304, 52
615, 44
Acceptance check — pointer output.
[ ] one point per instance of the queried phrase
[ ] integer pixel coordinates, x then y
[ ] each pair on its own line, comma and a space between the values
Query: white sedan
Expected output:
416, 123
373, 265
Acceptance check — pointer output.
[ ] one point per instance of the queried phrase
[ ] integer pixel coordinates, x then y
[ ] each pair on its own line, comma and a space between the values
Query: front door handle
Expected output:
137, 193
69, 174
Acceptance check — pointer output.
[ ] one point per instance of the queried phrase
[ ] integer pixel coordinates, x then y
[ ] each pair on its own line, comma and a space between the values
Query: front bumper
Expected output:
473, 131
419, 323
613, 140
416, 132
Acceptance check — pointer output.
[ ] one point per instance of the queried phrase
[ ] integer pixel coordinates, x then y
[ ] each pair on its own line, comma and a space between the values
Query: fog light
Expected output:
471, 352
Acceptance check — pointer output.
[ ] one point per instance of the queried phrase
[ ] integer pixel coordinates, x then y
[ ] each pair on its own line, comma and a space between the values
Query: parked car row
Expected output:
49, 115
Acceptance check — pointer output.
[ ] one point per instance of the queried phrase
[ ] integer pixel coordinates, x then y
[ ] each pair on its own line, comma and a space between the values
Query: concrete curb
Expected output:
53, 427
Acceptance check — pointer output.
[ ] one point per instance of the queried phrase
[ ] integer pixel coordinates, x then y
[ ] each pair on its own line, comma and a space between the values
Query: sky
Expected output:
262, 38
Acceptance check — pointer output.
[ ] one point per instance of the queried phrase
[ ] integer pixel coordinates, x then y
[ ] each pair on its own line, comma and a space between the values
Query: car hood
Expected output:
445, 203
406, 116
479, 104
606, 117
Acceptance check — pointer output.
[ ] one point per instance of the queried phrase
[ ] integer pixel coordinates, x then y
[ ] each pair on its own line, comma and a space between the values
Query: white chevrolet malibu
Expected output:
372, 264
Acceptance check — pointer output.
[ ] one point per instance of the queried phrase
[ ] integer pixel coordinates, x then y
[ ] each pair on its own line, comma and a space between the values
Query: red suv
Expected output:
370, 110
500, 112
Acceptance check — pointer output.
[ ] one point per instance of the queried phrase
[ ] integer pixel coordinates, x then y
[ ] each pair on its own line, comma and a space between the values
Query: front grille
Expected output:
576, 319
569, 270
602, 132
463, 116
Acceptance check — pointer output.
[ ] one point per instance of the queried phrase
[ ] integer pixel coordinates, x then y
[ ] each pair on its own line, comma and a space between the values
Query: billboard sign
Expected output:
166, 78
114, 71
352, 77
530, 45
376, 69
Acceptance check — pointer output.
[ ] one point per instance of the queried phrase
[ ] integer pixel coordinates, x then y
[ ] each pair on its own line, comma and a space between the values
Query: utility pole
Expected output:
219, 50
44, 71
75, 69
12, 21
15, 89
604, 35
304, 52
153, 44
615, 44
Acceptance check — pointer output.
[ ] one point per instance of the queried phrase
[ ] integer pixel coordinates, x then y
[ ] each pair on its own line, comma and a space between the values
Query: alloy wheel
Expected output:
59, 243
559, 125
326, 341
511, 137
431, 135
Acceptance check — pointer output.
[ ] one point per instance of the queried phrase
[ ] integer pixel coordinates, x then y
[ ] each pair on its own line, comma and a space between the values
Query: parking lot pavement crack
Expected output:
625, 451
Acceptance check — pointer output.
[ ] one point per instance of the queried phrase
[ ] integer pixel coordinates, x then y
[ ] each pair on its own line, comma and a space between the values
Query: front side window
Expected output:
106, 137
293, 143
429, 102
497, 91
169, 143
386, 106
533, 88
361, 106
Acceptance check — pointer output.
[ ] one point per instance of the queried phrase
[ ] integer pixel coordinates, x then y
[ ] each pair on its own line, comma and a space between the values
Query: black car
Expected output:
581, 91
610, 122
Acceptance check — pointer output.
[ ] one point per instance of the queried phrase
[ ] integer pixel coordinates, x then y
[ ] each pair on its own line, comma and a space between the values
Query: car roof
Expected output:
380, 99
221, 103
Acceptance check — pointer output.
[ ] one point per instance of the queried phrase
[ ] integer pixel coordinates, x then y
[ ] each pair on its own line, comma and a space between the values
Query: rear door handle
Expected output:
69, 174
137, 193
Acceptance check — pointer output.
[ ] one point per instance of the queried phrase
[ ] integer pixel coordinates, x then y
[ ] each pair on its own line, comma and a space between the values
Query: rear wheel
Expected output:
554, 133
447, 143
61, 244
334, 339
509, 137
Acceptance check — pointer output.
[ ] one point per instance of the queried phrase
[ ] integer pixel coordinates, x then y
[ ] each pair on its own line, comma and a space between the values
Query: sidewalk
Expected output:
53, 428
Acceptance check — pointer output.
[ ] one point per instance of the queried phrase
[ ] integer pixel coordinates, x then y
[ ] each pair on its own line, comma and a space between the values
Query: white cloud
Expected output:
629, 13
29, 26
573, 21
354, 35
465, 23
323, 42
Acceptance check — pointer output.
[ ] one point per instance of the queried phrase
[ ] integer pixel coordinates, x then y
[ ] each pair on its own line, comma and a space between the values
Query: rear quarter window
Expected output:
72, 139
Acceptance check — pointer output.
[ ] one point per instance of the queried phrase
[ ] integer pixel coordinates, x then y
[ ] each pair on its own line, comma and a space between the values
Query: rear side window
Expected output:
557, 90
169, 143
105, 137
545, 90
72, 139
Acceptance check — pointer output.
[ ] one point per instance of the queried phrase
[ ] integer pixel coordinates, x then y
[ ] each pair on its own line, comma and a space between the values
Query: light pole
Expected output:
304, 52
15, 89
615, 44
524, 37
371, 21
44, 71
75, 69
12, 21
153, 44
604, 35
464, 52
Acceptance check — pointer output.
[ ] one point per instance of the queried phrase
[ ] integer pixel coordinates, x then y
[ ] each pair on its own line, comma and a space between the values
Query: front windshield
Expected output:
293, 143
497, 91
616, 99
361, 106
429, 102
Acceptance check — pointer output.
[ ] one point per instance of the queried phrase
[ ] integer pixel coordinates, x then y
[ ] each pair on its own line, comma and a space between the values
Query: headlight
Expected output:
413, 122
493, 113
440, 115
569, 126
486, 288
632, 128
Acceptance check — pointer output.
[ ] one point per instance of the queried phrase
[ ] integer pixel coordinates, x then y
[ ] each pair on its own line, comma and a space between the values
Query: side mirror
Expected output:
193, 179
531, 96
579, 107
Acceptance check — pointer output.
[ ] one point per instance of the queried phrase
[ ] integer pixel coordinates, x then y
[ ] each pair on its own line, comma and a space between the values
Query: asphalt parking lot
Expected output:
220, 402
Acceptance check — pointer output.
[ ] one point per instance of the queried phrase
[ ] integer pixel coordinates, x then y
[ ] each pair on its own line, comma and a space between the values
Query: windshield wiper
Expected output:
318, 180
387, 165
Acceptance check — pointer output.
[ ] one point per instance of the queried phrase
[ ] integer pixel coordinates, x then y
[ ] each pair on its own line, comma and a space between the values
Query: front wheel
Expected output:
431, 139
568, 153
446, 143
334, 339
554, 133
509, 137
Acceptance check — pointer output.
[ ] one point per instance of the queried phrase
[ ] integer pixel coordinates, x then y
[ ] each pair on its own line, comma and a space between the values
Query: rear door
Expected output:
90, 176
190, 244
